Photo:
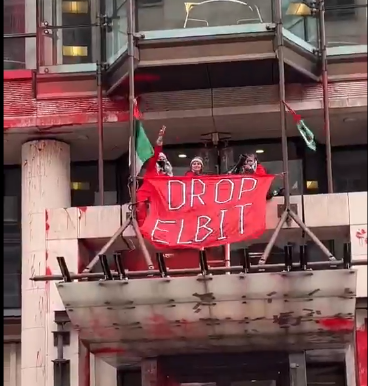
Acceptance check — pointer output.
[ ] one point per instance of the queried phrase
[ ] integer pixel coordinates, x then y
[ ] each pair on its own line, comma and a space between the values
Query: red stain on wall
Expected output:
87, 368
337, 324
83, 209
361, 346
21, 109
159, 327
47, 225
108, 350
361, 235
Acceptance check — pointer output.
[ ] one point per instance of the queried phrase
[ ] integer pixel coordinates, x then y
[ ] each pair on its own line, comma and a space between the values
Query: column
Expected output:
45, 185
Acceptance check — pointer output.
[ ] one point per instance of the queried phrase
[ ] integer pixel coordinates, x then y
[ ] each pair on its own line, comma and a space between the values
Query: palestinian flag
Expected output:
304, 131
143, 147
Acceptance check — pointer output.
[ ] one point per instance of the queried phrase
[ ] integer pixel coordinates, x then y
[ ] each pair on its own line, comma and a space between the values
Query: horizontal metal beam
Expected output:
197, 271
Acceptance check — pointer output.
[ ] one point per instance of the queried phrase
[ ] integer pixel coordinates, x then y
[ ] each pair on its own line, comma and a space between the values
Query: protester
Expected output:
196, 167
157, 165
248, 164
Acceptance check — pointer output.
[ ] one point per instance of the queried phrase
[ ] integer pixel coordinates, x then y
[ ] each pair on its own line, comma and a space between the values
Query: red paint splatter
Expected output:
361, 345
108, 350
158, 326
101, 331
48, 271
361, 235
47, 225
17, 74
87, 368
83, 209
337, 324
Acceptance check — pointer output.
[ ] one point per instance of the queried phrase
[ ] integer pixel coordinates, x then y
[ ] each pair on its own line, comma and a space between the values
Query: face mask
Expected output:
250, 164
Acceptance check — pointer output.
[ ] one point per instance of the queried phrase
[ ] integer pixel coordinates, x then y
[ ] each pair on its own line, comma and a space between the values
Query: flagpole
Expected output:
326, 106
132, 127
100, 125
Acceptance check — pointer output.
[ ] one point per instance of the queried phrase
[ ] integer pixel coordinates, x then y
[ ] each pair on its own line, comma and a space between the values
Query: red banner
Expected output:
205, 212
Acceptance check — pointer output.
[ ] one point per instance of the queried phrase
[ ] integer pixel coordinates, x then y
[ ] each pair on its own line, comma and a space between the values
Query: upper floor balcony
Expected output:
62, 36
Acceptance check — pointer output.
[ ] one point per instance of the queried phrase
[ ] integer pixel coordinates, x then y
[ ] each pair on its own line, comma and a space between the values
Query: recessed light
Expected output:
182, 156
349, 119
259, 151
82, 137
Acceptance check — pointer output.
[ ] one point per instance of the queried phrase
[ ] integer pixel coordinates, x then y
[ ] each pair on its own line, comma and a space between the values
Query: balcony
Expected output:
126, 320
340, 217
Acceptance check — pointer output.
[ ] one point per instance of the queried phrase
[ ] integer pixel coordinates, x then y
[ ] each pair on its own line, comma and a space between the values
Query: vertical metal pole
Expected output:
100, 105
326, 107
282, 97
133, 166
130, 33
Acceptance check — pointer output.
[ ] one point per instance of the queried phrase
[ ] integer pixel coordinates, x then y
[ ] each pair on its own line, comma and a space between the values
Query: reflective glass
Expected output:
346, 24
116, 39
156, 15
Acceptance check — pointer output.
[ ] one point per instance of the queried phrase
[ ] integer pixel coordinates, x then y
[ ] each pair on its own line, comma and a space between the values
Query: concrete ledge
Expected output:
357, 208
321, 211
326, 210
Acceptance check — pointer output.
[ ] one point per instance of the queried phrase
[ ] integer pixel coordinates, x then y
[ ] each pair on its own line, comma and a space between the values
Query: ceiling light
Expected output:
299, 9
350, 119
182, 156
82, 137
259, 151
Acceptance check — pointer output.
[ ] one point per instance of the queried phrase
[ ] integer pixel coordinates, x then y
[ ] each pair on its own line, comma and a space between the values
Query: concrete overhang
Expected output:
124, 321
347, 67
304, 61
215, 49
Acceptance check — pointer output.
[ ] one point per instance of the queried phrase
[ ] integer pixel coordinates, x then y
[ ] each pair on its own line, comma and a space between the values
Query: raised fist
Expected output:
162, 131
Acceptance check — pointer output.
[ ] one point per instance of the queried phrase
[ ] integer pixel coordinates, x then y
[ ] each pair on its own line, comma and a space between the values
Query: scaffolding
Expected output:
288, 214
103, 24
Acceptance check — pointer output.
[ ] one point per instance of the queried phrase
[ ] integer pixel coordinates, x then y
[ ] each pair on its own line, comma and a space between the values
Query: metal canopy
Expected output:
123, 321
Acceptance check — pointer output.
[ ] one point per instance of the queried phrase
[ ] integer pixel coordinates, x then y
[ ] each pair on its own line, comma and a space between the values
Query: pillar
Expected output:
45, 185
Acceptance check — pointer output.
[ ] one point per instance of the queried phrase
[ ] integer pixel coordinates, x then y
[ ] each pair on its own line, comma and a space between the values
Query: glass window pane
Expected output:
349, 170
174, 14
116, 40
84, 183
12, 275
12, 195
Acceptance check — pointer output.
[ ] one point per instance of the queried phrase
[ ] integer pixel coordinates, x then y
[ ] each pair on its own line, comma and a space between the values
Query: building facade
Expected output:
210, 72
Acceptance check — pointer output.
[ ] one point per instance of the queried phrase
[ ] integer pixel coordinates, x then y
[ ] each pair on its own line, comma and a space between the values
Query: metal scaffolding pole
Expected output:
100, 127
326, 106
288, 214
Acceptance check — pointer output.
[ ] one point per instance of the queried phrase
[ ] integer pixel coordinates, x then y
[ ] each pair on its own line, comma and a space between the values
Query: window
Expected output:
349, 169
84, 184
12, 274
129, 378
12, 237
12, 195
339, 10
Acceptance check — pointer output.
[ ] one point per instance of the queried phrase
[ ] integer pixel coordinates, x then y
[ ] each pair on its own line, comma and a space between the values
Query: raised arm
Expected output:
151, 165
